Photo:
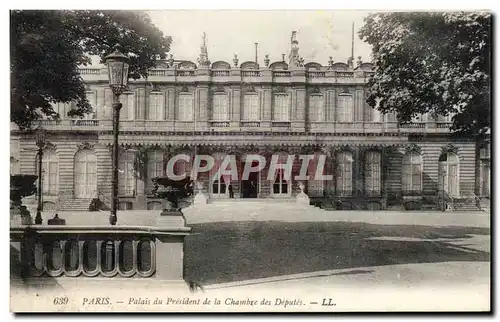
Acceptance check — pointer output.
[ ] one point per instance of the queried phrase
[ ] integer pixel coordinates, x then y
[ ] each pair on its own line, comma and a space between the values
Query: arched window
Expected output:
344, 173
373, 165
251, 111
449, 174
85, 183
155, 167
126, 174
412, 173
220, 106
185, 107
218, 184
281, 108
345, 108
317, 107
50, 172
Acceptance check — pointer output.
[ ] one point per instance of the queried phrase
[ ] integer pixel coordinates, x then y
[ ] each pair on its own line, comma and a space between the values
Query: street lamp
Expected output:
118, 65
40, 143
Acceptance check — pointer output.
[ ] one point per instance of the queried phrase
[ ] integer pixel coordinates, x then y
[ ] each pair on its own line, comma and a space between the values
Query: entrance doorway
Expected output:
250, 187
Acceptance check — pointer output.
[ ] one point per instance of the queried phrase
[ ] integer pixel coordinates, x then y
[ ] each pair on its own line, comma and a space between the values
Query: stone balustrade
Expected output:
100, 251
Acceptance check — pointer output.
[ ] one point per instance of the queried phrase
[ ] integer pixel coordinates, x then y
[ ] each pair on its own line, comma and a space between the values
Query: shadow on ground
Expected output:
235, 251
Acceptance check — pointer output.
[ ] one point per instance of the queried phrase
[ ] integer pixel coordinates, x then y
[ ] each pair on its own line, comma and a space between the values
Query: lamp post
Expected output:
40, 143
118, 65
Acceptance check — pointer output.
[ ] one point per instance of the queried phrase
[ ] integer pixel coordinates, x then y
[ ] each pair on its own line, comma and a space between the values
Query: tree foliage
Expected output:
47, 47
435, 62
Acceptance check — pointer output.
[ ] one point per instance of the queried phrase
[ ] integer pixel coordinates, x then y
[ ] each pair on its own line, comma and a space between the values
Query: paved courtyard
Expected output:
283, 248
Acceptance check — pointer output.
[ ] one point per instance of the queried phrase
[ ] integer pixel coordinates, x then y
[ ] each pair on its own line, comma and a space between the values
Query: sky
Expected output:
321, 34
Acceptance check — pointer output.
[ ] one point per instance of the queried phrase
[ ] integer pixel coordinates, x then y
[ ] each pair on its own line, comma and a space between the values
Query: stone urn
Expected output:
200, 198
302, 197
172, 191
21, 186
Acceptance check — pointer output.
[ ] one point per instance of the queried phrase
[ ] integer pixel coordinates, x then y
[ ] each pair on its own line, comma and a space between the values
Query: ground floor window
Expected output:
280, 185
485, 178
448, 174
344, 173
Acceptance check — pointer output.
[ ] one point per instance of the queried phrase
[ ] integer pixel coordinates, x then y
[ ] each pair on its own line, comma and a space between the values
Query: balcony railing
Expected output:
85, 123
98, 251
216, 73
89, 71
158, 72
443, 125
250, 124
412, 126
280, 124
185, 73
315, 74
281, 74
219, 123
344, 74
47, 122
250, 73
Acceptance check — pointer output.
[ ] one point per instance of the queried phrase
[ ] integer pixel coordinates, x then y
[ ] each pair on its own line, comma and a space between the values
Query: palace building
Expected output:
287, 107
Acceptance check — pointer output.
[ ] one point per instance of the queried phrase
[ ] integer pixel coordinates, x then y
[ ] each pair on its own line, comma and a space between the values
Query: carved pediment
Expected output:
218, 89
85, 145
413, 148
279, 90
249, 89
449, 148
345, 91
314, 90
155, 87
183, 89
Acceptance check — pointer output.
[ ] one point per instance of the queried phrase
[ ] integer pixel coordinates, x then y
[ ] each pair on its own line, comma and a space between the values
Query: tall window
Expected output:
345, 108
185, 112
218, 184
281, 108
344, 173
448, 174
372, 173
126, 174
376, 116
280, 184
155, 167
127, 111
412, 173
50, 176
484, 164
156, 105
92, 98
220, 107
251, 110
317, 107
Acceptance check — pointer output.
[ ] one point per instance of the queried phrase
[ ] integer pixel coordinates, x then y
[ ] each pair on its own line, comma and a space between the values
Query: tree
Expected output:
47, 47
436, 63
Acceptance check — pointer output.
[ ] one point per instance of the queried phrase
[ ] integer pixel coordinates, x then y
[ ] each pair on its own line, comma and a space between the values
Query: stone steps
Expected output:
77, 204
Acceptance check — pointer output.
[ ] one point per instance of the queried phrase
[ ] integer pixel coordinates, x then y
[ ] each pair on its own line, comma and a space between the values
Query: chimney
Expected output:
256, 53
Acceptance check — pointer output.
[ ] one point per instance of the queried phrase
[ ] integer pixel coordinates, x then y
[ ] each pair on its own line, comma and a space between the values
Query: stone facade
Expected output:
221, 108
